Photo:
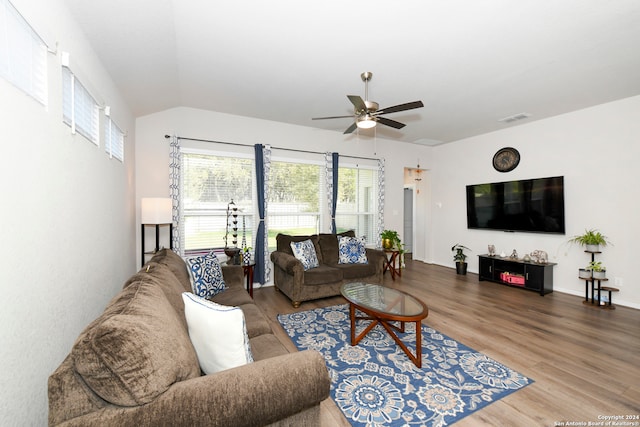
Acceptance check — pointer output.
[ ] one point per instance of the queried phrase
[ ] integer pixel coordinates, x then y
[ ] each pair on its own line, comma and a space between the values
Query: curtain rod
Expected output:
276, 148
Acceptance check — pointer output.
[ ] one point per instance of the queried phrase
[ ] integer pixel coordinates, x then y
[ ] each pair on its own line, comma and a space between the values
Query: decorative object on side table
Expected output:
539, 256
492, 250
246, 255
233, 252
390, 239
514, 254
459, 257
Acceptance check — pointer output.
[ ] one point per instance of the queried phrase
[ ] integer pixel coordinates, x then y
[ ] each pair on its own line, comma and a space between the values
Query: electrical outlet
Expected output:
618, 281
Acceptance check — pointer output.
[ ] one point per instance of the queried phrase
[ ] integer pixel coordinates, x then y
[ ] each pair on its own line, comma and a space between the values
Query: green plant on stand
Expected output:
598, 270
591, 239
391, 240
459, 257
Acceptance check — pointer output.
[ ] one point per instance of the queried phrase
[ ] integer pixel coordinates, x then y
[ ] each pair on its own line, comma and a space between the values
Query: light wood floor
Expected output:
585, 361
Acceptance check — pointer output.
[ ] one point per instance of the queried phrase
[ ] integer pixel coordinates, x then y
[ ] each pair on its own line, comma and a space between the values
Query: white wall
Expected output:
596, 149
68, 223
152, 149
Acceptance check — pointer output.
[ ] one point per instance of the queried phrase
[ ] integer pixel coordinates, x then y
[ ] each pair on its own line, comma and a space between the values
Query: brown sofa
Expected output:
326, 280
135, 364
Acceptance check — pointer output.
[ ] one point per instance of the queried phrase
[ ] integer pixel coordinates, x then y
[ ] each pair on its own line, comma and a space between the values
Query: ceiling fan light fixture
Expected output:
366, 122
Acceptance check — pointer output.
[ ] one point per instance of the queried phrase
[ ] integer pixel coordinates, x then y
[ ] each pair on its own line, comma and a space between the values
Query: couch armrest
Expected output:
287, 263
259, 393
233, 274
375, 256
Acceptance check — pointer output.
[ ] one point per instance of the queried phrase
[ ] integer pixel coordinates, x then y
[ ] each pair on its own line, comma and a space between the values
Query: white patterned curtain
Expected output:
380, 201
331, 180
175, 162
266, 159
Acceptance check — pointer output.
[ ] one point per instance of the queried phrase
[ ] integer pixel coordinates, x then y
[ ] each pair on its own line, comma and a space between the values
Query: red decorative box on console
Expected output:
513, 279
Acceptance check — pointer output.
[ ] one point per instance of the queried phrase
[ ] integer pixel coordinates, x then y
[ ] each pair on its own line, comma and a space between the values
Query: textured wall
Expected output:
68, 223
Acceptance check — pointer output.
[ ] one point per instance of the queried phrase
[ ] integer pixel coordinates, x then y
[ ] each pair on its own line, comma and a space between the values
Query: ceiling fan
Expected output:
366, 113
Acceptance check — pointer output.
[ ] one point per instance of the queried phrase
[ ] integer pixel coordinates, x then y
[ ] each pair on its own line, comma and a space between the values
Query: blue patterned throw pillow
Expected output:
206, 275
305, 252
352, 250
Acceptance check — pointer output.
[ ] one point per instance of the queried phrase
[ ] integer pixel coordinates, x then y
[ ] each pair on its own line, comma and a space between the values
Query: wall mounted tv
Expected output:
533, 205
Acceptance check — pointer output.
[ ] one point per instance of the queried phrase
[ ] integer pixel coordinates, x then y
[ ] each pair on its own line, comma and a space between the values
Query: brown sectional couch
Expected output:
135, 364
326, 280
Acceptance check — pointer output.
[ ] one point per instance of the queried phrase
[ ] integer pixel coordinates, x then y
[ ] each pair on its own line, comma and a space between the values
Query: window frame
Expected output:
79, 94
14, 66
217, 212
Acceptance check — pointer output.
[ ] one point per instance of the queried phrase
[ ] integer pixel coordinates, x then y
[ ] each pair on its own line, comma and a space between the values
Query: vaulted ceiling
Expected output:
470, 62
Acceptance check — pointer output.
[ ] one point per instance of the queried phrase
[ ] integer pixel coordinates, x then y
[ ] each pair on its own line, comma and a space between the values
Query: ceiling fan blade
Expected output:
350, 129
357, 102
389, 122
401, 107
333, 117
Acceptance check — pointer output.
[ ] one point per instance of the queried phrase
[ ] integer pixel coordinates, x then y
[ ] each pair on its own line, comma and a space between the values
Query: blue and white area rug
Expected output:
375, 383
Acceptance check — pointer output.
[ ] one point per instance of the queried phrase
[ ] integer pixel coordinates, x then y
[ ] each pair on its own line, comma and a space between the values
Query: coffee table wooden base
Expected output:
385, 322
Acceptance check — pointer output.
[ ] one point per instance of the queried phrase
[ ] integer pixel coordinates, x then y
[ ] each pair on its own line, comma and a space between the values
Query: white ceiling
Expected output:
471, 62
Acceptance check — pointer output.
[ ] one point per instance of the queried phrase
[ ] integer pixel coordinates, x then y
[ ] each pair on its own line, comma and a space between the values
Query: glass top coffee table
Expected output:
384, 305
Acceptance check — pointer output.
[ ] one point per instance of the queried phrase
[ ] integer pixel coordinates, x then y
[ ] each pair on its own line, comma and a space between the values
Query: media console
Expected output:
516, 272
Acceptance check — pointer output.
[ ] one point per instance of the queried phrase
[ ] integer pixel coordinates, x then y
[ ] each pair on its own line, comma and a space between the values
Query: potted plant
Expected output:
592, 240
460, 258
391, 239
584, 273
598, 271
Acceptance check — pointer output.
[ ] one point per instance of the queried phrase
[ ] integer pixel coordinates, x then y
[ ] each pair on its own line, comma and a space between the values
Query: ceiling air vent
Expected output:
515, 118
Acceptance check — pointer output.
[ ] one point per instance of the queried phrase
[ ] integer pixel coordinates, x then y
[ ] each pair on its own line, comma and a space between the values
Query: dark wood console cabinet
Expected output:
537, 277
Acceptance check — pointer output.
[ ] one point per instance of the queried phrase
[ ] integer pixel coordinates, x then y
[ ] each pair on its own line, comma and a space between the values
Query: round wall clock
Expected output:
506, 159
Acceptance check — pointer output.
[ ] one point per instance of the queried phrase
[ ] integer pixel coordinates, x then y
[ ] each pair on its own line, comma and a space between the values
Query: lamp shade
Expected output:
156, 210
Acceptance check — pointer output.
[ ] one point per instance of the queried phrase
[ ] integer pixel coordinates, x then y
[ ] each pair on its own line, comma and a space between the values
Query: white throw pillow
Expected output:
305, 252
218, 334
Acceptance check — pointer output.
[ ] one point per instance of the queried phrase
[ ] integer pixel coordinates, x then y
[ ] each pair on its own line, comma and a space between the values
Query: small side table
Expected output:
247, 269
391, 263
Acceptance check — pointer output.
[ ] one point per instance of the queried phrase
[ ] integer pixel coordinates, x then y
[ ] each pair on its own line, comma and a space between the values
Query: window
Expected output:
23, 54
296, 191
113, 140
80, 110
356, 208
209, 183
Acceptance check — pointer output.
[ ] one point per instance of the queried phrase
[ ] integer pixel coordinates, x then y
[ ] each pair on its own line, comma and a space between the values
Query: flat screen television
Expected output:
533, 205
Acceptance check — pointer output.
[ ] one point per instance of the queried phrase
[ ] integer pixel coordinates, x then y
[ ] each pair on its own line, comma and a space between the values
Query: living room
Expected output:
72, 214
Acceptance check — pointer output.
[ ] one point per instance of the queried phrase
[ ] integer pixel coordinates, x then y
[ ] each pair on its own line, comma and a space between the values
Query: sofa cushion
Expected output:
176, 264
305, 252
266, 346
328, 244
136, 349
323, 274
356, 271
218, 334
351, 250
206, 275
167, 281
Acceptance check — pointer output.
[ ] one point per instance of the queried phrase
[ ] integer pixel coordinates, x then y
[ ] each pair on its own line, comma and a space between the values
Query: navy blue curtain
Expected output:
334, 199
260, 249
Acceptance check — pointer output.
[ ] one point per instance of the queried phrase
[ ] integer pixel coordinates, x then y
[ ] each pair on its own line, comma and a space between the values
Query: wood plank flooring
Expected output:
585, 361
